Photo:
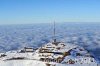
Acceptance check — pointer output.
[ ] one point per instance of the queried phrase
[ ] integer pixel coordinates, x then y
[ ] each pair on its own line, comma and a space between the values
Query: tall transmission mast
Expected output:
54, 33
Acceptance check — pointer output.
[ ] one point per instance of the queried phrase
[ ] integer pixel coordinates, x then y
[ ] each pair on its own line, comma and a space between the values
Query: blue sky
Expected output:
38, 11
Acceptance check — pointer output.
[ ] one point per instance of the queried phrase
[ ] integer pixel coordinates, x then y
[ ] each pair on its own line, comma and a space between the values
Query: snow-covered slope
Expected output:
22, 63
36, 63
53, 53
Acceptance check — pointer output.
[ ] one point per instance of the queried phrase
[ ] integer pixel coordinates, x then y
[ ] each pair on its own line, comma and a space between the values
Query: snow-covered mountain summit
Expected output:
50, 54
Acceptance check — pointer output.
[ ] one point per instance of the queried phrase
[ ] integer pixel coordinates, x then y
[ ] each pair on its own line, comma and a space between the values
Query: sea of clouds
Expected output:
13, 37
